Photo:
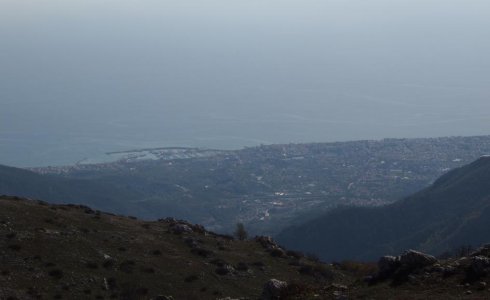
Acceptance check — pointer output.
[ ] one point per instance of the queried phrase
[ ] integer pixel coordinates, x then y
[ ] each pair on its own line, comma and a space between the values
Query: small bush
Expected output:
277, 252
191, 278
313, 257
156, 252
89, 211
15, 247
295, 254
111, 283
91, 265
218, 262
148, 270
127, 266
224, 270
258, 264
317, 270
56, 273
359, 269
201, 252
108, 263
11, 235
242, 266
464, 251
295, 290
240, 232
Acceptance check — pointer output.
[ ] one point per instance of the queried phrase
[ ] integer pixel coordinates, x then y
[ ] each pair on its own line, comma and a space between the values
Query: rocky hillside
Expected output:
454, 211
73, 252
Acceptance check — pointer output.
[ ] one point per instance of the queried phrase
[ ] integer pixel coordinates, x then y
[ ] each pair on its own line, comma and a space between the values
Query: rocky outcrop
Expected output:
416, 260
479, 265
482, 251
387, 265
398, 266
273, 289
181, 226
268, 243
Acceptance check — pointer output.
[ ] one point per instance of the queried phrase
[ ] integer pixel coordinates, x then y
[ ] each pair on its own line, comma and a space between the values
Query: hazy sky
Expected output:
81, 77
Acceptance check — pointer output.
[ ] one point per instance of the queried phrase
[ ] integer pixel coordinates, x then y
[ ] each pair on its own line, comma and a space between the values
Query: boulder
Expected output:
180, 228
273, 289
412, 259
482, 251
267, 242
400, 267
387, 265
479, 265
481, 285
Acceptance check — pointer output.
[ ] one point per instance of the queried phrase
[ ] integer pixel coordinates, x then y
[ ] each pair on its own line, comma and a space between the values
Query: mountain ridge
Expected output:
450, 213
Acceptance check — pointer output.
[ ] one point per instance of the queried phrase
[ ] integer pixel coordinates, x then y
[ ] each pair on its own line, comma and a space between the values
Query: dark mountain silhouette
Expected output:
454, 211
100, 195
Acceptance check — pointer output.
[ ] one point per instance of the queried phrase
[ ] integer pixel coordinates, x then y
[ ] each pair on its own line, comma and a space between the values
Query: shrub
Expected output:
89, 211
111, 283
242, 266
317, 270
127, 266
240, 232
156, 252
148, 270
11, 235
277, 252
295, 290
15, 247
56, 273
295, 254
191, 278
202, 252
258, 264
313, 257
108, 263
360, 269
463, 251
91, 265
218, 262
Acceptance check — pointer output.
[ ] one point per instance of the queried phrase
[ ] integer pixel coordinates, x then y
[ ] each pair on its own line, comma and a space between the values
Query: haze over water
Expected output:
83, 77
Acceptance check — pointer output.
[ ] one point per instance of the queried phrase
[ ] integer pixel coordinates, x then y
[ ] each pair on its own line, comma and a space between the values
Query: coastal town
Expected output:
268, 186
